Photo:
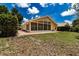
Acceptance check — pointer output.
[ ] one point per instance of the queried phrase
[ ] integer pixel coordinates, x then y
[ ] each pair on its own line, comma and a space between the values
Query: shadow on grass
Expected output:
77, 37
7, 36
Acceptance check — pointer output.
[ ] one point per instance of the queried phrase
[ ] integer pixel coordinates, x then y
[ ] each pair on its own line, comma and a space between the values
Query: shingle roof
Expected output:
43, 17
62, 24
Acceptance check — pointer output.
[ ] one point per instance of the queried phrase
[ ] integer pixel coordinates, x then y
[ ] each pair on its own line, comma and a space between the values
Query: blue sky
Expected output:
59, 12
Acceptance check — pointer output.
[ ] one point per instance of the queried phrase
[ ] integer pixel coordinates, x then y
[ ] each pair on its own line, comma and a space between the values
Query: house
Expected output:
63, 26
40, 24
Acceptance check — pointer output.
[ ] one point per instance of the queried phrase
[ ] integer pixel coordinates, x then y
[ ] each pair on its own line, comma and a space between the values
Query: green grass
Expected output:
66, 37
62, 42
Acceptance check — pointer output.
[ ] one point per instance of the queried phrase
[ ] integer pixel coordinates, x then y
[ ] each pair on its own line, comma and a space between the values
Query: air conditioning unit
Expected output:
0, 32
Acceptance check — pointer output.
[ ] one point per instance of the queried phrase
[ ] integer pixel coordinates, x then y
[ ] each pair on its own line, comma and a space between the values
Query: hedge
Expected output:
63, 28
75, 28
8, 25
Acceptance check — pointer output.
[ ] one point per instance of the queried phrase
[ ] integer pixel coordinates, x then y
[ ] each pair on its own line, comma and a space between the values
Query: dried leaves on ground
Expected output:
52, 44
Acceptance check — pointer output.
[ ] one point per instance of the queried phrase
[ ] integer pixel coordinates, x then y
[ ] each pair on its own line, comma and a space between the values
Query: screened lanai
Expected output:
41, 24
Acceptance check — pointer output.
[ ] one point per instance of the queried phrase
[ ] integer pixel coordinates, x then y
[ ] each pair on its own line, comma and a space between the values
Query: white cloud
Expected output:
52, 4
72, 5
47, 4
13, 5
68, 21
25, 20
76, 6
32, 17
68, 12
37, 16
23, 5
61, 3
33, 10
55, 4
44, 4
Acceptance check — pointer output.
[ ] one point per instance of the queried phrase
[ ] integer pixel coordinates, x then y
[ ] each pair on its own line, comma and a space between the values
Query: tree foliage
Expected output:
64, 28
76, 8
3, 9
9, 21
75, 25
16, 13
75, 22
8, 25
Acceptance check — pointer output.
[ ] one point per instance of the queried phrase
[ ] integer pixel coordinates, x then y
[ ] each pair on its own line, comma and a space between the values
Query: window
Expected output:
33, 26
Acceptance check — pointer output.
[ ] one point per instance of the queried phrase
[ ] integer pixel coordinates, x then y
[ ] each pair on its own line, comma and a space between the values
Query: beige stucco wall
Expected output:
23, 26
53, 25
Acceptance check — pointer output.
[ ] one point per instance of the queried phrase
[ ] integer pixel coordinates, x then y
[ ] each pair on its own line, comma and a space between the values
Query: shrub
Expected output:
77, 37
75, 28
8, 25
65, 28
75, 25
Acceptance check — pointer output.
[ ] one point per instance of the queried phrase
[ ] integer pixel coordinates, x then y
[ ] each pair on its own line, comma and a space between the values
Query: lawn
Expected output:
60, 43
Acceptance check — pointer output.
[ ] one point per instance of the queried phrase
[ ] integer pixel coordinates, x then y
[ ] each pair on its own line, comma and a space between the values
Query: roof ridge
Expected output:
43, 17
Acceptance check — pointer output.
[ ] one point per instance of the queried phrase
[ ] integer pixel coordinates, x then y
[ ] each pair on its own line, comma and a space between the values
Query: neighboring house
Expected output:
63, 26
42, 23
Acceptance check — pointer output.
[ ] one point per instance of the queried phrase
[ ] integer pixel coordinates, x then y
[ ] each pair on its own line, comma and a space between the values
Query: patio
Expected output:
21, 33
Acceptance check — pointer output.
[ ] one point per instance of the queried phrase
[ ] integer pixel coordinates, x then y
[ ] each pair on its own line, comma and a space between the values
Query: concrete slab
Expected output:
21, 33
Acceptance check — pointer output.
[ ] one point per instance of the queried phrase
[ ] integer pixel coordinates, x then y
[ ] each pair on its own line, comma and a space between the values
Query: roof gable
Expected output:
43, 18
